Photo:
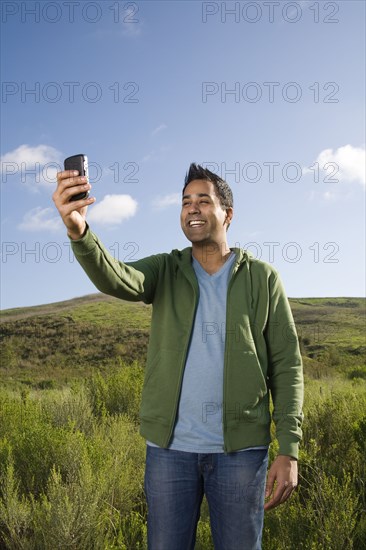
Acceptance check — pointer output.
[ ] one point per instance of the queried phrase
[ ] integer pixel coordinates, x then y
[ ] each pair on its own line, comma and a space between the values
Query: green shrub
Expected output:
70, 407
72, 466
118, 392
328, 422
322, 518
93, 492
358, 372
15, 511
46, 384
66, 516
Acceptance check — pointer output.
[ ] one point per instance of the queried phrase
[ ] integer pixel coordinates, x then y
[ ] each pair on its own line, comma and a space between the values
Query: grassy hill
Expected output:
55, 343
72, 459
50, 345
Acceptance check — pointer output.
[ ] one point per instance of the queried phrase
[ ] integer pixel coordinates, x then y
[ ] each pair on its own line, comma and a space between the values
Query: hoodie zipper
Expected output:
238, 264
234, 272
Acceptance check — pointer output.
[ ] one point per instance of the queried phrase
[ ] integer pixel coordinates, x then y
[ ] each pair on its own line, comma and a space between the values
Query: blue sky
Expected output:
270, 95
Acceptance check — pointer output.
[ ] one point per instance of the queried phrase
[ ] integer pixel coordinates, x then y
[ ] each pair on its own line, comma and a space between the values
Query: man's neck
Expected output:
211, 256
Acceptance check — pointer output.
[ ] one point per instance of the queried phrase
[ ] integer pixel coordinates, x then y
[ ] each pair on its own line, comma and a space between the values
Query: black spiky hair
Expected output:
223, 190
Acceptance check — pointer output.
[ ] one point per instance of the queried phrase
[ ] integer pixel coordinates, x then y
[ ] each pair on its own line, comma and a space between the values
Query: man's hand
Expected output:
73, 213
283, 471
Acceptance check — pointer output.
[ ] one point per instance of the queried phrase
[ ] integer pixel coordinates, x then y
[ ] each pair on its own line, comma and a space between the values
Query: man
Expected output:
222, 340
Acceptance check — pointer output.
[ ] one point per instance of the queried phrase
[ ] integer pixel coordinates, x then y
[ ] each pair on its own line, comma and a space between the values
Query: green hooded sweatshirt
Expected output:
262, 355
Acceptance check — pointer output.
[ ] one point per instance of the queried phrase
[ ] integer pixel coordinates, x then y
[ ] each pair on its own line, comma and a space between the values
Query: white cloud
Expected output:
124, 29
40, 219
159, 129
128, 23
113, 209
32, 165
346, 164
131, 20
168, 200
24, 153
148, 157
131, 29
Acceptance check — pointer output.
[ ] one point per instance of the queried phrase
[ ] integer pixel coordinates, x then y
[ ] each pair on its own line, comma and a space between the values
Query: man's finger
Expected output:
269, 485
277, 496
290, 487
282, 493
67, 174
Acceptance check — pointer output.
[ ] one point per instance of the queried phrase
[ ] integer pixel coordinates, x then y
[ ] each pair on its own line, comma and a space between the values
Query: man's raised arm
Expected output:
135, 281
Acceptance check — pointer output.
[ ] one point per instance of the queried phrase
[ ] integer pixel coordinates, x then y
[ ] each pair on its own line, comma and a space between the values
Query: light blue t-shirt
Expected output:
199, 427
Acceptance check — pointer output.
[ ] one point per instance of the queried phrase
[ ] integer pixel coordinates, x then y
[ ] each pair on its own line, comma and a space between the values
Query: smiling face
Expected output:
203, 219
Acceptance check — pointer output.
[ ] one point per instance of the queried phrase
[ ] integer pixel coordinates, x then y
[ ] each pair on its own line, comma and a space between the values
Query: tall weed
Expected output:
72, 466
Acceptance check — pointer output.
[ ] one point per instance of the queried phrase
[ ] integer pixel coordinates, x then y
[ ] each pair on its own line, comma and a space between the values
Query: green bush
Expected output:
328, 424
70, 407
358, 372
323, 516
119, 392
72, 467
70, 478
15, 511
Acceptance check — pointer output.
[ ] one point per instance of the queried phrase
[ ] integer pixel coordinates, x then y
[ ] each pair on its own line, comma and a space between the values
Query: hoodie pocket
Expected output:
245, 383
150, 368
160, 390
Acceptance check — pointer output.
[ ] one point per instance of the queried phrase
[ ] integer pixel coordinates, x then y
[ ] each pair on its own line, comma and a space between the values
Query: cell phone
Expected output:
80, 163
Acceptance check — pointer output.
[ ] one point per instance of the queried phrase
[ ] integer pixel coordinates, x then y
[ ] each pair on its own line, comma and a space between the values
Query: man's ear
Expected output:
229, 215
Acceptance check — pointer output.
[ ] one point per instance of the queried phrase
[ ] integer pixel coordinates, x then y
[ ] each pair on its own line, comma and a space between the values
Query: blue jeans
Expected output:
234, 485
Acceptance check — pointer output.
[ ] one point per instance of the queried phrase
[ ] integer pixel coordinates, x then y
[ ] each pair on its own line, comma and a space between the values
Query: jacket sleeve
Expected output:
285, 371
133, 281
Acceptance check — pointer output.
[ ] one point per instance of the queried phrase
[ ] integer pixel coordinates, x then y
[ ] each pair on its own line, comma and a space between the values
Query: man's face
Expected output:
202, 218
